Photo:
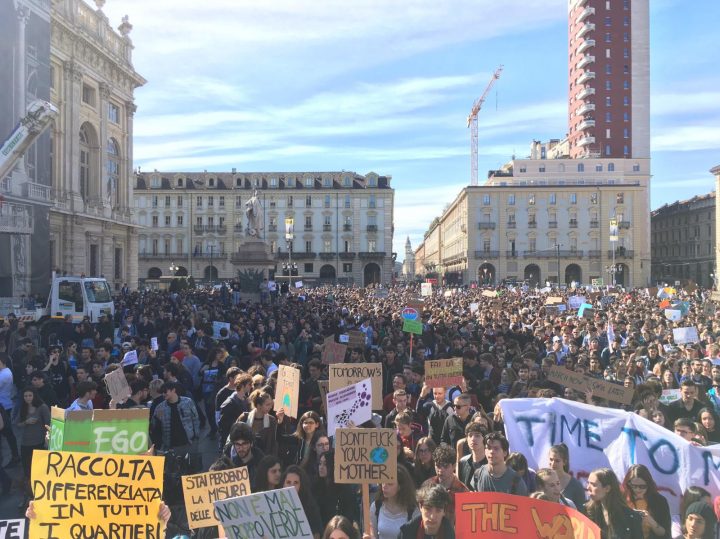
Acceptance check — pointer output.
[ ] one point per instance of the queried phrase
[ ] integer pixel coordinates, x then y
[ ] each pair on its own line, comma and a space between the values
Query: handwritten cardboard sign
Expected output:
12, 529
425, 289
685, 335
333, 352
81, 495
553, 300
349, 404
365, 456
497, 516
276, 514
202, 490
287, 393
444, 372
489, 294
100, 431
118, 386
345, 374
599, 387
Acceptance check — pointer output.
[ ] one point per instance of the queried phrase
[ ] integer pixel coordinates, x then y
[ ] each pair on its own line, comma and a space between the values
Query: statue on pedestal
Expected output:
254, 212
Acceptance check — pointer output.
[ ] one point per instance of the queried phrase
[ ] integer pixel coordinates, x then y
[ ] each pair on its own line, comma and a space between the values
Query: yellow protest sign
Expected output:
203, 489
93, 495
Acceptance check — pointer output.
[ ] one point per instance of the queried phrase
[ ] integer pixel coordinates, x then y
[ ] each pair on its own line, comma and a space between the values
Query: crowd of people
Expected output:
200, 383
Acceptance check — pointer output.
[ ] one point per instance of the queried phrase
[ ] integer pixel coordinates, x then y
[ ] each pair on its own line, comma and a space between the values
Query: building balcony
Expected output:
210, 229
585, 108
308, 228
570, 253
372, 228
347, 227
16, 218
210, 254
164, 256
624, 224
573, 223
532, 224
594, 224
552, 224
479, 255
587, 27
585, 77
586, 124
374, 255
5, 185
585, 60
585, 45
511, 254
584, 14
511, 224
328, 255
486, 226
36, 191
327, 228
584, 141
585, 92
594, 253
272, 228
304, 255
347, 255
621, 252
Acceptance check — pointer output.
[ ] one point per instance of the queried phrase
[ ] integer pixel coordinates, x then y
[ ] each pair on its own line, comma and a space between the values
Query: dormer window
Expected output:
346, 181
211, 182
308, 182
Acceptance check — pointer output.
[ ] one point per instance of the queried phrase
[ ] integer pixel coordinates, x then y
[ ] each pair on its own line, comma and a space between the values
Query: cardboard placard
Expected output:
12, 529
498, 516
276, 514
674, 315
416, 304
444, 372
298, 284
217, 326
489, 294
365, 456
333, 352
78, 495
154, 344
356, 338
123, 432
344, 374
584, 307
351, 403
669, 395
425, 289
412, 326
324, 386
287, 393
574, 302
715, 296
600, 388
553, 300
597, 282
117, 385
202, 490
130, 358
709, 309
685, 335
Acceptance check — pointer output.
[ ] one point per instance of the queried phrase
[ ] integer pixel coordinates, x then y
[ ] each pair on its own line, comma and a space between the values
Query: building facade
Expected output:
408, 266
196, 223
92, 230
683, 241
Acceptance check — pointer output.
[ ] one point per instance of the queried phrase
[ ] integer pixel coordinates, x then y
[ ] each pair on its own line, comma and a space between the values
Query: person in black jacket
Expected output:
641, 494
432, 521
241, 451
454, 427
435, 407
607, 499
336, 498
235, 405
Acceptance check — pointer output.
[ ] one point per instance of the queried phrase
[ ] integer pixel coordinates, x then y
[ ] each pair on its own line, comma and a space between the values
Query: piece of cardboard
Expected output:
100, 431
474, 308
344, 374
685, 335
426, 289
154, 344
553, 300
365, 456
444, 372
674, 315
287, 393
349, 404
118, 386
600, 388
324, 386
489, 294
574, 302
201, 490
333, 352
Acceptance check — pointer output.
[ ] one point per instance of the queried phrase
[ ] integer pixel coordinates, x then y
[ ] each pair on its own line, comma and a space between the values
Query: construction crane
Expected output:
472, 123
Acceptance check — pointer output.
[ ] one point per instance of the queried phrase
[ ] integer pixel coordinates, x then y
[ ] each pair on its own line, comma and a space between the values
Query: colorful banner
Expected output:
12, 529
365, 455
123, 432
276, 514
444, 372
345, 374
82, 495
604, 437
203, 489
349, 404
493, 515
599, 387
333, 352
287, 394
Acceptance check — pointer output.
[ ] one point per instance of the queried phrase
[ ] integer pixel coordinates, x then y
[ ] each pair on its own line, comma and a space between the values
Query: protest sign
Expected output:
118, 386
489, 294
495, 515
444, 372
669, 395
276, 514
344, 338
664, 304
574, 302
583, 307
324, 386
709, 309
425, 289
356, 338
81, 495
130, 358
607, 437
333, 352
673, 315
123, 432
344, 374
381, 293
715, 296
599, 387
202, 490
553, 300
685, 335
298, 284
597, 282
416, 304
474, 307
365, 455
154, 344
351, 403
12, 529
217, 326
287, 393
412, 326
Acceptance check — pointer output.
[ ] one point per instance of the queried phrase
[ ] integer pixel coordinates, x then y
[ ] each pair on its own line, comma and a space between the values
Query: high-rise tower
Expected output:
609, 78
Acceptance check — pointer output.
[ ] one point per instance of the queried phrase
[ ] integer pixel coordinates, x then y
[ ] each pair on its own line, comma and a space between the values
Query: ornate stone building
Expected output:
92, 83
408, 267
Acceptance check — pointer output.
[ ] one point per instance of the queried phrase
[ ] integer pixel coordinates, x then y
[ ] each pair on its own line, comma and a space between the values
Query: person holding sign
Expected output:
296, 448
296, 477
34, 415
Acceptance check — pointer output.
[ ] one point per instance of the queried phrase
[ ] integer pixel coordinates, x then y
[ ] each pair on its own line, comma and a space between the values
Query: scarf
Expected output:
251, 418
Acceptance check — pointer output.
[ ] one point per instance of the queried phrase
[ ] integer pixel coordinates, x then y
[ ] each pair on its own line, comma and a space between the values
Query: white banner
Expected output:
603, 437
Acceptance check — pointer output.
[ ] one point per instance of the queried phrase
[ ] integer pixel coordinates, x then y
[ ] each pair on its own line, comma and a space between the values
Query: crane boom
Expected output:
472, 123
37, 118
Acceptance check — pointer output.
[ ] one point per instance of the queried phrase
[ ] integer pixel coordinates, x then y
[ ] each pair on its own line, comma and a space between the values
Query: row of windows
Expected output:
290, 200
309, 183
552, 199
210, 221
219, 247
626, 21
581, 166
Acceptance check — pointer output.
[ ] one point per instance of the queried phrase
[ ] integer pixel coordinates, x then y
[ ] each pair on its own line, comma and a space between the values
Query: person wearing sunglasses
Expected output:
641, 494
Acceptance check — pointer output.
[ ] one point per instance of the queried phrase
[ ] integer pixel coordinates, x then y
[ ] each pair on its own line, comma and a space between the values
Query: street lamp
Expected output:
173, 268
612, 270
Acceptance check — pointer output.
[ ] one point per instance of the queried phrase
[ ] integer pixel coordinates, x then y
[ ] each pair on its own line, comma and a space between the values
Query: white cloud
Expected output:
679, 103
686, 138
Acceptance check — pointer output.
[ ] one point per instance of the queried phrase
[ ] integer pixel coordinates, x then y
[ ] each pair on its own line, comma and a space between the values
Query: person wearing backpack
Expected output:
394, 506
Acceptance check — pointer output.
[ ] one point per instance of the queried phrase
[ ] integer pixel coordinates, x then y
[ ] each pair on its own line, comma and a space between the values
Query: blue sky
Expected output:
371, 85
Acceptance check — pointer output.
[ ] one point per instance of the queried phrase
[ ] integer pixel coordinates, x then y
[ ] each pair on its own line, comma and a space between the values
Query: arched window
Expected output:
88, 162
113, 172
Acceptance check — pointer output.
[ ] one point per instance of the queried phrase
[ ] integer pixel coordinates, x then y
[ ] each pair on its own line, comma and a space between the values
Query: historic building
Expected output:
683, 241
92, 82
408, 265
195, 223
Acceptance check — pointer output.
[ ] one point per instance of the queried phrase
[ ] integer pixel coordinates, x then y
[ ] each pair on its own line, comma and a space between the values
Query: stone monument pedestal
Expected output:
252, 263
